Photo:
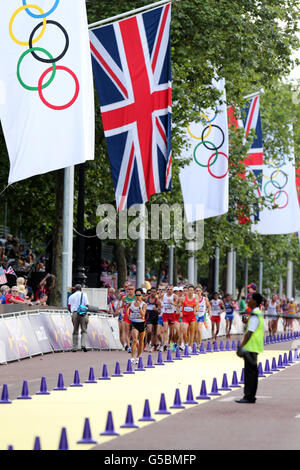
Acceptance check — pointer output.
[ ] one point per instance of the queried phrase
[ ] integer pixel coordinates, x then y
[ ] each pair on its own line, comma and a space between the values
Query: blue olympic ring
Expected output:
45, 14
208, 122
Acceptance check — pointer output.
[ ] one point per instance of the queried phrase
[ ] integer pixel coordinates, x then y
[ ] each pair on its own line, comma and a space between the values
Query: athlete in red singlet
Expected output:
188, 313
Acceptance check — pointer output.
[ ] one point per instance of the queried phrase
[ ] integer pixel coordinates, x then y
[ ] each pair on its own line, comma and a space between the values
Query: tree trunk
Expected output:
55, 295
121, 264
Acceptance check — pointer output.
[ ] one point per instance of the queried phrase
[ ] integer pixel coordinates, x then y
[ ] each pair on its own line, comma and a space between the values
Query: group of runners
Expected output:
168, 316
158, 319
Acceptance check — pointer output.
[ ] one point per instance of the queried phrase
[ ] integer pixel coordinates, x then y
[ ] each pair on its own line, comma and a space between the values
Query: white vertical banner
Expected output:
279, 182
204, 181
46, 83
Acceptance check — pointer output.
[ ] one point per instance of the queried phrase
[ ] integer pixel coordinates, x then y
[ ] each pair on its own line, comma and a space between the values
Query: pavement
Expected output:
272, 423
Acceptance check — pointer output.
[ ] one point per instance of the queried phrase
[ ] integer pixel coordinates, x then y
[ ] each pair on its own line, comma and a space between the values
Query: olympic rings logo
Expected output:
48, 59
210, 146
279, 185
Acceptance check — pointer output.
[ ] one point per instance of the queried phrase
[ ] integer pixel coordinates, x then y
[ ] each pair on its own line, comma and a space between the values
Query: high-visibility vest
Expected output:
256, 341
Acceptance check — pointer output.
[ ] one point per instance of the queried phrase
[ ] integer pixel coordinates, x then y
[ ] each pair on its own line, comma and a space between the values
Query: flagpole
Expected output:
140, 261
128, 13
67, 252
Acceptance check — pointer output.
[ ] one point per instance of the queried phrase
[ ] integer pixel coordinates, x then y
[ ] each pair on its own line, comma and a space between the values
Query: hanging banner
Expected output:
204, 181
46, 86
279, 181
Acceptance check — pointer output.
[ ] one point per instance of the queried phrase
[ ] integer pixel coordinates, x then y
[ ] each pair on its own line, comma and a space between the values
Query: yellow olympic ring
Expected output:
206, 135
275, 176
24, 7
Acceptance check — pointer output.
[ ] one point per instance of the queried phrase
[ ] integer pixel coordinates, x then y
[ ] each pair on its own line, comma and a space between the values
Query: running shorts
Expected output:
169, 318
189, 318
138, 325
200, 319
229, 317
160, 320
152, 318
216, 318
125, 318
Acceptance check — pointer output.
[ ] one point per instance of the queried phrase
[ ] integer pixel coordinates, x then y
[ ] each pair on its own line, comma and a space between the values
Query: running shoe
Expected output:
174, 347
129, 350
190, 349
165, 348
132, 360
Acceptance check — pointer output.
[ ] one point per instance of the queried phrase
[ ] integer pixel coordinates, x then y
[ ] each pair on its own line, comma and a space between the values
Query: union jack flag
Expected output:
132, 69
10, 271
255, 158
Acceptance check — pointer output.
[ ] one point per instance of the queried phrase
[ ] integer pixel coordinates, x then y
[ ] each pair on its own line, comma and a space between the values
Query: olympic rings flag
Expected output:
46, 82
279, 182
204, 182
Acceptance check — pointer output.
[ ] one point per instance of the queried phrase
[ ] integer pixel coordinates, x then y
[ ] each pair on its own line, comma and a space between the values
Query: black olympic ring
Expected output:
286, 179
203, 133
56, 59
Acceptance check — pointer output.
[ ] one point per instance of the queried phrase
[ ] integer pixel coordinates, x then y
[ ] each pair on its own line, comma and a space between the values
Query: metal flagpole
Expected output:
191, 268
217, 268
67, 253
234, 273
140, 262
195, 271
260, 282
229, 271
289, 280
129, 13
246, 277
171, 264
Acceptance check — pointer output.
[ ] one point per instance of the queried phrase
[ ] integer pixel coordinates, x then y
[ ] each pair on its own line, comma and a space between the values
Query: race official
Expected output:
77, 299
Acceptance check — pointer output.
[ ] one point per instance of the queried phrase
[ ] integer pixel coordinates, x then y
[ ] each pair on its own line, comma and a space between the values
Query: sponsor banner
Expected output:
97, 333
36, 323
59, 330
19, 338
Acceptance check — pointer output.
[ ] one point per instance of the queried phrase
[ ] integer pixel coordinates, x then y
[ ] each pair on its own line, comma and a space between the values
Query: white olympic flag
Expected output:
46, 86
204, 181
279, 181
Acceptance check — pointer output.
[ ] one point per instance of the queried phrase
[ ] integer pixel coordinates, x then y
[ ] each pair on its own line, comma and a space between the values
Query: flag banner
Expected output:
132, 70
279, 181
204, 181
250, 120
46, 86
3, 278
10, 271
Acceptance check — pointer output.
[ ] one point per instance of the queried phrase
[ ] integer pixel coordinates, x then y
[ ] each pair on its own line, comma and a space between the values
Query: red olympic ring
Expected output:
287, 198
210, 158
65, 106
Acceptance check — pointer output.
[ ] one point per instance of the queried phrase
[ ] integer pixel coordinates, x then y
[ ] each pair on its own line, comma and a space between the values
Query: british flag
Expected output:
3, 279
132, 70
251, 120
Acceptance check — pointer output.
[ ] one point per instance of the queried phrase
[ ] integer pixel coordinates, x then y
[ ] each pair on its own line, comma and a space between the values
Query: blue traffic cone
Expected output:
214, 388
238, 344
60, 383
91, 379
149, 363
227, 345
281, 337
43, 387
242, 380
267, 340
76, 381
4, 396
203, 394
208, 347
160, 361
285, 360
129, 368
129, 422
63, 442
25, 395
194, 351
235, 381
260, 370
37, 444
87, 435
109, 429
140, 366
267, 368
147, 414
284, 337
225, 385
162, 406
177, 355
296, 356
186, 351
105, 375
221, 345
202, 351
177, 400
274, 366
190, 397
169, 356
117, 371
216, 349
10, 448
233, 347
278, 339
280, 363
290, 358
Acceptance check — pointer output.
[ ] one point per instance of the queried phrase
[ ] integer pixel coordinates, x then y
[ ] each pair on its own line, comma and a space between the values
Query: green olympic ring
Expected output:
278, 187
201, 164
31, 88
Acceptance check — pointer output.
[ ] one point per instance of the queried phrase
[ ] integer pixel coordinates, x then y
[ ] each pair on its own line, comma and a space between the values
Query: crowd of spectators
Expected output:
19, 255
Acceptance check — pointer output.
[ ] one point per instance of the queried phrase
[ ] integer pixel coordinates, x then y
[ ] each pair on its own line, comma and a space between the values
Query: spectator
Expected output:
13, 297
29, 291
21, 287
43, 300
3, 293
43, 288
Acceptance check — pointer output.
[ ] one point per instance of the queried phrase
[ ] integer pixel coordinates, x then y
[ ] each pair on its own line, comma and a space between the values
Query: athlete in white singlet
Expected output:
273, 309
217, 307
169, 317
204, 307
